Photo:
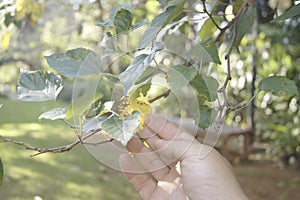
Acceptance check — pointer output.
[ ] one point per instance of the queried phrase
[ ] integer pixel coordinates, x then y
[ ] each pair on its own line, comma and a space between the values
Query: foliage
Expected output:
38, 86
170, 49
279, 85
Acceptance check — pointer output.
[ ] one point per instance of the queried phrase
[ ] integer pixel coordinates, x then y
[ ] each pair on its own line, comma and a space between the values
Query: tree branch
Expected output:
227, 57
98, 143
14, 60
60, 149
232, 22
165, 94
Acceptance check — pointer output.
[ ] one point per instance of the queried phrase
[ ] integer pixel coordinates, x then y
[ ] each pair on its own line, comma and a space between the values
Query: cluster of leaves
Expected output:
80, 62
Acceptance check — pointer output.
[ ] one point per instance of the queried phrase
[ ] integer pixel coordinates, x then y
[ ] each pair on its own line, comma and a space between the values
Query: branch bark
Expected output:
14, 60
61, 149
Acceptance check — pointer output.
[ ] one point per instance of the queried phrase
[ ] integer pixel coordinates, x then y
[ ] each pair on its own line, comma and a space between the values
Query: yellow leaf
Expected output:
23, 7
22, 4
5, 41
128, 105
36, 12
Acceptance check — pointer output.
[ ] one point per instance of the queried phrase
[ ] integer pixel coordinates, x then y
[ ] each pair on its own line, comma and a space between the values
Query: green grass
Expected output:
69, 176
13, 111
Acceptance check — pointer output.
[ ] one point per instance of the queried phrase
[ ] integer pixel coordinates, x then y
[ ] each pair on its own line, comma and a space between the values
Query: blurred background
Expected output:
270, 171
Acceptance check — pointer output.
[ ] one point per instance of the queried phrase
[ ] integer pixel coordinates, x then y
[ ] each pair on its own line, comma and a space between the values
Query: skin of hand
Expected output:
176, 166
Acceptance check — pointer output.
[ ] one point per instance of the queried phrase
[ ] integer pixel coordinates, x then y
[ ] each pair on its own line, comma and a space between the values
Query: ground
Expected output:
264, 180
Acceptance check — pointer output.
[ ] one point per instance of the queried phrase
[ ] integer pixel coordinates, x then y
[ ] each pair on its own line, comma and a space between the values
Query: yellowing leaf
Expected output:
5, 41
29, 8
23, 7
129, 105
36, 12
22, 4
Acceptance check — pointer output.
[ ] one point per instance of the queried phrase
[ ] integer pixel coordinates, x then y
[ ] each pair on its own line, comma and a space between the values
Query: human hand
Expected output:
173, 168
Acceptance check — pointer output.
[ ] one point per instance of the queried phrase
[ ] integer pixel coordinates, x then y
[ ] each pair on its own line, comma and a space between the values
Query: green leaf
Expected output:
82, 104
123, 20
112, 78
1, 172
121, 131
38, 86
180, 75
205, 119
8, 19
117, 8
165, 3
244, 24
143, 89
154, 27
159, 22
107, 84
209, 28
110, 43
139, 24
179, 7
54, 114
205, 52
279, 85
237, 5
92, 124
206, 86
292, 12
108, 24
135, 70
75, 63
147, 75
278, 127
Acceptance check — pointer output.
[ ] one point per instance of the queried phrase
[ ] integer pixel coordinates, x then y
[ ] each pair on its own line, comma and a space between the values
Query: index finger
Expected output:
160, 126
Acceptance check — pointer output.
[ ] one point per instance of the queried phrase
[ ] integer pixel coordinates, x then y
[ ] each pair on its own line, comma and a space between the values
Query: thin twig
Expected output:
227, 56
42, 150
232, 22
238, 14
165, 94
98, 143
210, 16
242, 104
69, 124
223, 30
276, 9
